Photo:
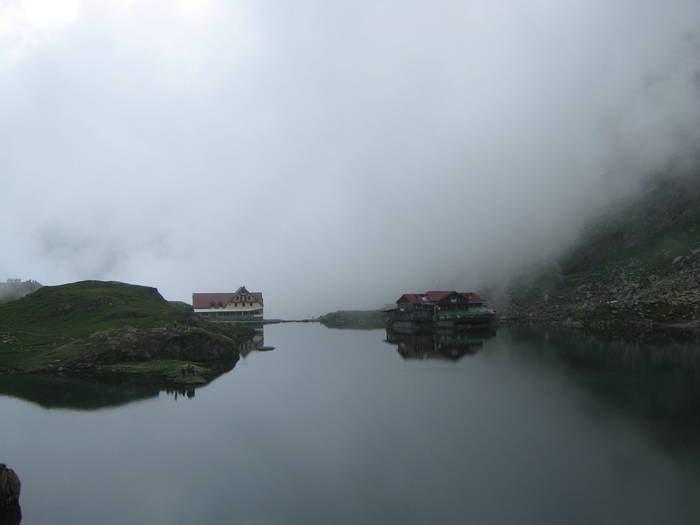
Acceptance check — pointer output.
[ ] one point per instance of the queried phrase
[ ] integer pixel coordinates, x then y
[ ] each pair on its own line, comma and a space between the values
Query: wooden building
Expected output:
442, 309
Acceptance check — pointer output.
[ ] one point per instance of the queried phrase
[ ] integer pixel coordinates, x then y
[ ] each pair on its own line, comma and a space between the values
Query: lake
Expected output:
341, 426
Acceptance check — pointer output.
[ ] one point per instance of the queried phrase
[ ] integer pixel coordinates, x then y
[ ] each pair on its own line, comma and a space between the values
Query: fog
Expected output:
332, 155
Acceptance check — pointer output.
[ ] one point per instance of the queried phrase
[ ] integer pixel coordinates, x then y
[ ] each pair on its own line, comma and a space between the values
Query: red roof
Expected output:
209, 300
217, 300
411, 297
435, 296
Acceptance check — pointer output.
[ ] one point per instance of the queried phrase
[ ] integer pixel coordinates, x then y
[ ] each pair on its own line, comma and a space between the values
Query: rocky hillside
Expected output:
637, 266
95, 326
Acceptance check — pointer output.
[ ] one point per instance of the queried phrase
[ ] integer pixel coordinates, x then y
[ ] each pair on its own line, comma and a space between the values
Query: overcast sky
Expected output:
331, 154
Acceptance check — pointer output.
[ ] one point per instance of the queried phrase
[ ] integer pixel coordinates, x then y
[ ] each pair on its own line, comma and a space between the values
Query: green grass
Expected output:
167, 368
46, 325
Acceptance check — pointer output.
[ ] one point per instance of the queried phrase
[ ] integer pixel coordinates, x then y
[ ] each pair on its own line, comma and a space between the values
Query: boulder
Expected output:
9, 486
11, 514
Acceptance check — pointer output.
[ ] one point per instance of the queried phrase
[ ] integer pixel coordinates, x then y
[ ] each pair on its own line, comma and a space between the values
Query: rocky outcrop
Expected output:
130, 344
631, 296
11, 514
9, 486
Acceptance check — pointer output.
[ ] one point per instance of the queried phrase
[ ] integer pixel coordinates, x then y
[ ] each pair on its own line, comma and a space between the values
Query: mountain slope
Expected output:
638, 266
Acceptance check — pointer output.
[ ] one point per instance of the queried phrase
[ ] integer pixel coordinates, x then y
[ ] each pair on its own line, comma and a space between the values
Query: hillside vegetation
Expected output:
110, 326
637, 266
360, 319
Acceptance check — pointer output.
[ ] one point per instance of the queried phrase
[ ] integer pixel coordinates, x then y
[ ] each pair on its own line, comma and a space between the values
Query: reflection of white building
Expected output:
256, 344
238, 305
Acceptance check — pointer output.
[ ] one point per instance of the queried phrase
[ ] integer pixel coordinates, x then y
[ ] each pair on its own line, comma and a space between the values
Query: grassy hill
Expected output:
110, 326
359, 319
639, 266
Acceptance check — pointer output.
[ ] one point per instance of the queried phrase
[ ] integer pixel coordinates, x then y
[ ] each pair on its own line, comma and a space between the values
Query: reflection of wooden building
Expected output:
240, 305
436, 345
440, 309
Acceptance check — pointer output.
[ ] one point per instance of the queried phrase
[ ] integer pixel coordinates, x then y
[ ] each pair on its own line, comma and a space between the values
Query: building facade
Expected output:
240, 305
441, 309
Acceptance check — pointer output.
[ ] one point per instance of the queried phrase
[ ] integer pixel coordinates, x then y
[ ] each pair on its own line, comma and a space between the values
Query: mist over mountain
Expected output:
635, 267
16, 288
331, 155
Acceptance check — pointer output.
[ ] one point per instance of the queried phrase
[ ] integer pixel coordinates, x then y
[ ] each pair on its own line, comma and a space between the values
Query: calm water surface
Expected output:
343, 427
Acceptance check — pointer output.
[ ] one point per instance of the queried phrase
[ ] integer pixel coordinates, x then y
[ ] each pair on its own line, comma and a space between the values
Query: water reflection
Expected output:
652, 351
182, 393
102, 390
83, 393
445, 345
256, 344
651, 377
538, 428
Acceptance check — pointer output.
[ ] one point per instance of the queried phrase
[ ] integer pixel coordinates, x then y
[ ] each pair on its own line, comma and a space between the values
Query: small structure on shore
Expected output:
240, 305
440, 309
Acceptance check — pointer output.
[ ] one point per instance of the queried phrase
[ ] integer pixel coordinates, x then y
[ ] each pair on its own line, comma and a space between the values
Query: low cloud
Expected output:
331, 155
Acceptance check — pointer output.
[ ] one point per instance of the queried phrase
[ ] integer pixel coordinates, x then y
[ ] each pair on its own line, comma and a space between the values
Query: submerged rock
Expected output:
9, 486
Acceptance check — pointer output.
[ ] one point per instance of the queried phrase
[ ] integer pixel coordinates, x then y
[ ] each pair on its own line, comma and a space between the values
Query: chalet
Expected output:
442, 309
240, 305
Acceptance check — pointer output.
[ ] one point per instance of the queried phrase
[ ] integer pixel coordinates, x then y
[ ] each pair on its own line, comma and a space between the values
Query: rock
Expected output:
129, 344
9, 486
11, 514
